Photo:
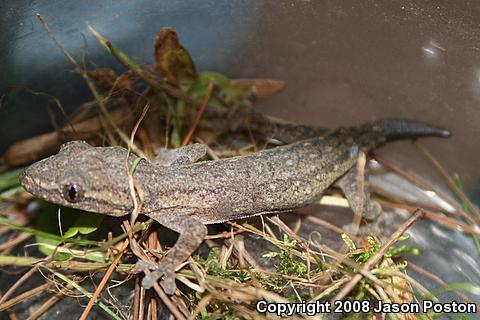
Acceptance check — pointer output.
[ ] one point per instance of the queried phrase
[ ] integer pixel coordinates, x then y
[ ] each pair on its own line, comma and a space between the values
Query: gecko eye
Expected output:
72, 192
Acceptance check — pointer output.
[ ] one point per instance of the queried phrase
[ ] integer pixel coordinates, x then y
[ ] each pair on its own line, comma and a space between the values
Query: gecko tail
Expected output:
396, 129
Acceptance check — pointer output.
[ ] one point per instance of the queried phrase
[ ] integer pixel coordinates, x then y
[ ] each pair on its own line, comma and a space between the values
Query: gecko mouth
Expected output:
40, 188
31, 185
27, 181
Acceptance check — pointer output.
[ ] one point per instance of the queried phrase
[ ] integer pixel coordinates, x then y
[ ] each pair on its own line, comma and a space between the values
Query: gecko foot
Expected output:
373, 211
163, 270
143, 265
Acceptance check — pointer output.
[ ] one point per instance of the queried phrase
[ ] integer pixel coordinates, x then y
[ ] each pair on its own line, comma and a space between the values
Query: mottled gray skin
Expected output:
272, 180
184, 196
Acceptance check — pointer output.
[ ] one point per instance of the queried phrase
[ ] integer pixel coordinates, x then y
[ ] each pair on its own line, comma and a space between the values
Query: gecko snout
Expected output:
24, 178
28, 182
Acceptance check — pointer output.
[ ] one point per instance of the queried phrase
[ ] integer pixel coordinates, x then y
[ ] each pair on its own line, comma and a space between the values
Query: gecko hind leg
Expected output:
192, 232
354, 185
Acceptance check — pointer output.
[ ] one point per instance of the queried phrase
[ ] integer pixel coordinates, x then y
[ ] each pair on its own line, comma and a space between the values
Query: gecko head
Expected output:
83, 177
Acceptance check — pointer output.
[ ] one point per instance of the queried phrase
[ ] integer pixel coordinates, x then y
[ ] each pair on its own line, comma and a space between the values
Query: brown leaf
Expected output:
172, 60
261, 88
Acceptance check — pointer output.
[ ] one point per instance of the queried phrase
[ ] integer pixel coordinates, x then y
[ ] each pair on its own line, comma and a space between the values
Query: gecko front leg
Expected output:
192, 232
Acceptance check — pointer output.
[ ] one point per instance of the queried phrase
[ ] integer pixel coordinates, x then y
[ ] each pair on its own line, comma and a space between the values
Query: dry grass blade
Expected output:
93, 89
202, 304
134, 191
241, 254
474, 209
17, 284
344, 259
433, 216
378, 255
25, 295
35, 148
210, 152
199, 114
276, 220
146, 75
47, 305
331, 226
137, 301
104, 281
63, 265
15, 241
152, 309
57, 102
57, 43
435, 278
419, 182
166, 300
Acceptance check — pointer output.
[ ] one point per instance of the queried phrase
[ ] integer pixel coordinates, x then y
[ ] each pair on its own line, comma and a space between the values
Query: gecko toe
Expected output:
161, 270
151, 278
168, 284
373, 211
143, 265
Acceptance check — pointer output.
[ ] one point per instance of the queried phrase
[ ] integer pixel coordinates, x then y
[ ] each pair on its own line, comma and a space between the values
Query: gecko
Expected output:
185, 195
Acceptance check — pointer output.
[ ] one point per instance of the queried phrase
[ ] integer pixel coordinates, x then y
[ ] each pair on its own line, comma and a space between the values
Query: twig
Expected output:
432, 216
330, 289
224, 235
16, 241
63, 265
18, 283
422, 184
166, 300
435, 278
182, 307
136, 300
474, 209
378, 255
104, 281
210, 152
141, 308
147, 76
47, 305
84, 74
57, 102
25, 295
86, 293
276, 220
331, 226
199, 114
